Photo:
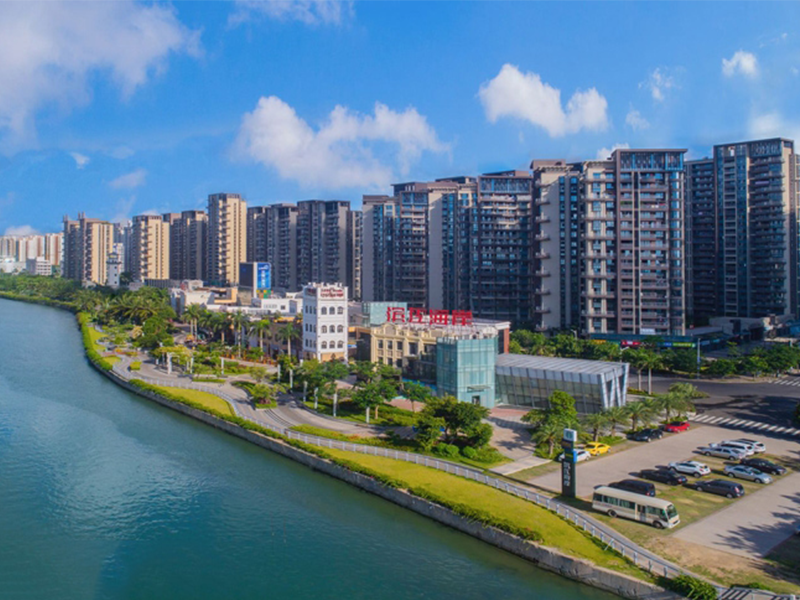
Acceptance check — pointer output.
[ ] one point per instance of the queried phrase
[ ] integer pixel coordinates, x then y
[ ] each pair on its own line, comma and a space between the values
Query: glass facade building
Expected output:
465, 368
524, 380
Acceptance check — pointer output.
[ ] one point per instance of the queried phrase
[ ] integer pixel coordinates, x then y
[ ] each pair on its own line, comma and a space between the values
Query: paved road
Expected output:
753, 525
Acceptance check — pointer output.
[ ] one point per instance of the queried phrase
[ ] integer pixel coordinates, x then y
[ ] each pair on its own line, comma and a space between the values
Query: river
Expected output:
105, 495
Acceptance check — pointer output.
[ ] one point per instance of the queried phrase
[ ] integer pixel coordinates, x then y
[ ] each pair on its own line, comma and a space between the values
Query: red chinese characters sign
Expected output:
398, 314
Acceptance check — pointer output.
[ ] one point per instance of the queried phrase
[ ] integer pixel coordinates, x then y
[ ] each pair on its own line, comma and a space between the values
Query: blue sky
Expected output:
122, 108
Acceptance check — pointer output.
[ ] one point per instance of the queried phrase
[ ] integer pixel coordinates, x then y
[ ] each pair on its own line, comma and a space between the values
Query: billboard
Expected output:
263, 276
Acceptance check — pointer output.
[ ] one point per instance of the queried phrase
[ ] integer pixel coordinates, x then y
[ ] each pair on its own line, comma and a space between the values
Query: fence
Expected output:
613, 540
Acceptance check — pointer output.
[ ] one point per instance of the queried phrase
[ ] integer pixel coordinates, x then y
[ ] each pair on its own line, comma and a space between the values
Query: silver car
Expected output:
740, 446
690, 467
748, 473
758, 447
722, 452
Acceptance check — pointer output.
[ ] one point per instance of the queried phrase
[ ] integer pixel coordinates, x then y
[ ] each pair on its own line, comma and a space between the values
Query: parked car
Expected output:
729, 489
634, 485
748, 473
663, 476
580, 455
676, 426
690, 467
722, 452
597, 448
797, 529
758, 447
763, 465
746, 448
646, 435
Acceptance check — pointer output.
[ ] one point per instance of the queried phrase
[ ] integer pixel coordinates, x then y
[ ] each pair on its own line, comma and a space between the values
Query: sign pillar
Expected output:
568, 464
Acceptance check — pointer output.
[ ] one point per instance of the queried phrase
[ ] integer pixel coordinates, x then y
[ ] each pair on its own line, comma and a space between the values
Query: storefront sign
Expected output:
398, 314
331, 292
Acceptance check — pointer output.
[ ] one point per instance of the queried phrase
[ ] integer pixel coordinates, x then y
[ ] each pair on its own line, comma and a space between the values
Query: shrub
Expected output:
691, 587
136, 365
611, 439
446, 450
488, 455
469, 452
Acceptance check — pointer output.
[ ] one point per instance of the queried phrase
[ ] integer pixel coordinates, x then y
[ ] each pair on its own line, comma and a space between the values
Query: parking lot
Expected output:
749, 526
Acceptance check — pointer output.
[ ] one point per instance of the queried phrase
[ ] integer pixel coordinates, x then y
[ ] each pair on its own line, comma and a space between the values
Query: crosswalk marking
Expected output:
745, 424
793, 381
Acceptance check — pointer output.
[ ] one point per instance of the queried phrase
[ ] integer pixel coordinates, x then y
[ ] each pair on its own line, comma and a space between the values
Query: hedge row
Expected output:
691, 587
88, 345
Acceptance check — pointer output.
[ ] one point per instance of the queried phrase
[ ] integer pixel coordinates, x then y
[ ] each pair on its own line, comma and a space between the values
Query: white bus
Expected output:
619, 503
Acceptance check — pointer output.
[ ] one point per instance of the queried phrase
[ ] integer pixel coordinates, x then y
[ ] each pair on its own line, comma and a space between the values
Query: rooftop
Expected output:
548, 363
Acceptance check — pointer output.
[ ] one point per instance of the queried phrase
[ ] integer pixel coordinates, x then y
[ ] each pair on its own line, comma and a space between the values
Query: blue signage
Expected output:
263, 276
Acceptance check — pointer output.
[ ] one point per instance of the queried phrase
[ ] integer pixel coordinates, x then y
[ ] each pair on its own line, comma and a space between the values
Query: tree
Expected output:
259, 327
561, 409
287, 333
721, 367
615, 415
259, 374
781, 358
371, 395
635, 357
650, 360
595, 422
682, 359
459, 417
549, 432
416, 392
239, 322
534, 416
641, 411
192, 315
428, 431
672, 402
754, 365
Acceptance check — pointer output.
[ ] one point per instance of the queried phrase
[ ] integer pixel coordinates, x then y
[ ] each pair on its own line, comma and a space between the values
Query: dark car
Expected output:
646, 435
763, 465
635, 486
663, 476
729, 489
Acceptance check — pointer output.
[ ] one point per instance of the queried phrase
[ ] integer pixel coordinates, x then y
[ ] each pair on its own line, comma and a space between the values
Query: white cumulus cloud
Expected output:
50, 51
636, 121
21, 230
122, 209
81, 160
605, 153
130, 180
310, 12
772, 124
744, 63
525, 96
340, 153
659, 83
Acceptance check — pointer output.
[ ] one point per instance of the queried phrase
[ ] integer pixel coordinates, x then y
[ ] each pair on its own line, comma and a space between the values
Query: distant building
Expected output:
114, 266
227, 237
87, 244
325, 323
150, 248
38, 266
465, 368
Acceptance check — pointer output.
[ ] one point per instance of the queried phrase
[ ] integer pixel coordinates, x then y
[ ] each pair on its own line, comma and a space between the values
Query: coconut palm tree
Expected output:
596, 422
288, 333
192, 315
650, 360
239, 322
616, 415
221, 323
259, 327
639, 412
634, 356
549, 432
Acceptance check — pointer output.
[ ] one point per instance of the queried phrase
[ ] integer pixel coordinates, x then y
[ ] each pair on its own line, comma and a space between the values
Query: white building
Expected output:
114, 266
38, 266
325, 321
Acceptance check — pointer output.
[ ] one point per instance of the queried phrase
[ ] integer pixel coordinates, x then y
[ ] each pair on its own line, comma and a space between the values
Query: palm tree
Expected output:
220, 323
639, 411
596, 422
192, 315
288, 333
239, 322
549, 432
670, 402
650, 360
206, 321
634, 356
259, 327
616, 415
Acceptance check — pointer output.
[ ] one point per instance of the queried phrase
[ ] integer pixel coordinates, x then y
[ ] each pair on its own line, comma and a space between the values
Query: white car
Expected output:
722, 452
758, 447
749, 473
690, 467
741, 446
580, 456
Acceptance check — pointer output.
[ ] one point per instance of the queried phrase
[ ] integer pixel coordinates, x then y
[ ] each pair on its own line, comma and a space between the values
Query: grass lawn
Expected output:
346, 409
95, 335
555, 531
204, 398
787, 555
112, 359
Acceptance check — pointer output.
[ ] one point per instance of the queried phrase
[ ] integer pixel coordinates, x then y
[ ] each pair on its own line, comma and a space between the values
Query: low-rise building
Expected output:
38, 266
325, 326
465, 368
525, 380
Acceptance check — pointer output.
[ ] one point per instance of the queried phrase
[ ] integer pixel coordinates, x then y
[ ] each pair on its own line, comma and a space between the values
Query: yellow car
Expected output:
596, 448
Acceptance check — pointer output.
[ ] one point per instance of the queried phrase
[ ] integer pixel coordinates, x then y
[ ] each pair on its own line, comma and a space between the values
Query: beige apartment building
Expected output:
150, 249
227, 237
87, 244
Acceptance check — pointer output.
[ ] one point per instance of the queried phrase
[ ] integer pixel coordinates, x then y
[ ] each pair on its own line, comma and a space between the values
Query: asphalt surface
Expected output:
750, 526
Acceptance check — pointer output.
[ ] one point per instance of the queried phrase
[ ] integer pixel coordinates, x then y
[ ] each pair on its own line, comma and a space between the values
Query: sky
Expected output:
124, 108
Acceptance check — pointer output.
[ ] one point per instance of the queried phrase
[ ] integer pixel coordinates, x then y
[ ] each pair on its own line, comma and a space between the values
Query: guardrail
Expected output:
612, 539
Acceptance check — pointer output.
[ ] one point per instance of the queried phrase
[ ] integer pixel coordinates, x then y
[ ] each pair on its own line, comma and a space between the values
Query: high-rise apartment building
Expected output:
355, 242
322, 233
188, 244
257, 233
754, 201
609, 244
702, 250
227, 237
150, 248
87, 244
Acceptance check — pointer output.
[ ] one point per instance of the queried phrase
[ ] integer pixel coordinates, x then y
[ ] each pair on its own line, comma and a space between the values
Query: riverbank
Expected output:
462, 517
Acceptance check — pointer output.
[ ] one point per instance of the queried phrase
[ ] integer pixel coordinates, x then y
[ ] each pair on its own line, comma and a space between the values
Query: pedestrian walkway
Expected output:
734, 423
519, 465
790, 380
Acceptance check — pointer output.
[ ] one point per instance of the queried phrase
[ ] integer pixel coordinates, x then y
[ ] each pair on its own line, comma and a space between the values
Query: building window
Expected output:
341, 310
323, 311
340, 344
324, 345
324, 329
340, 329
